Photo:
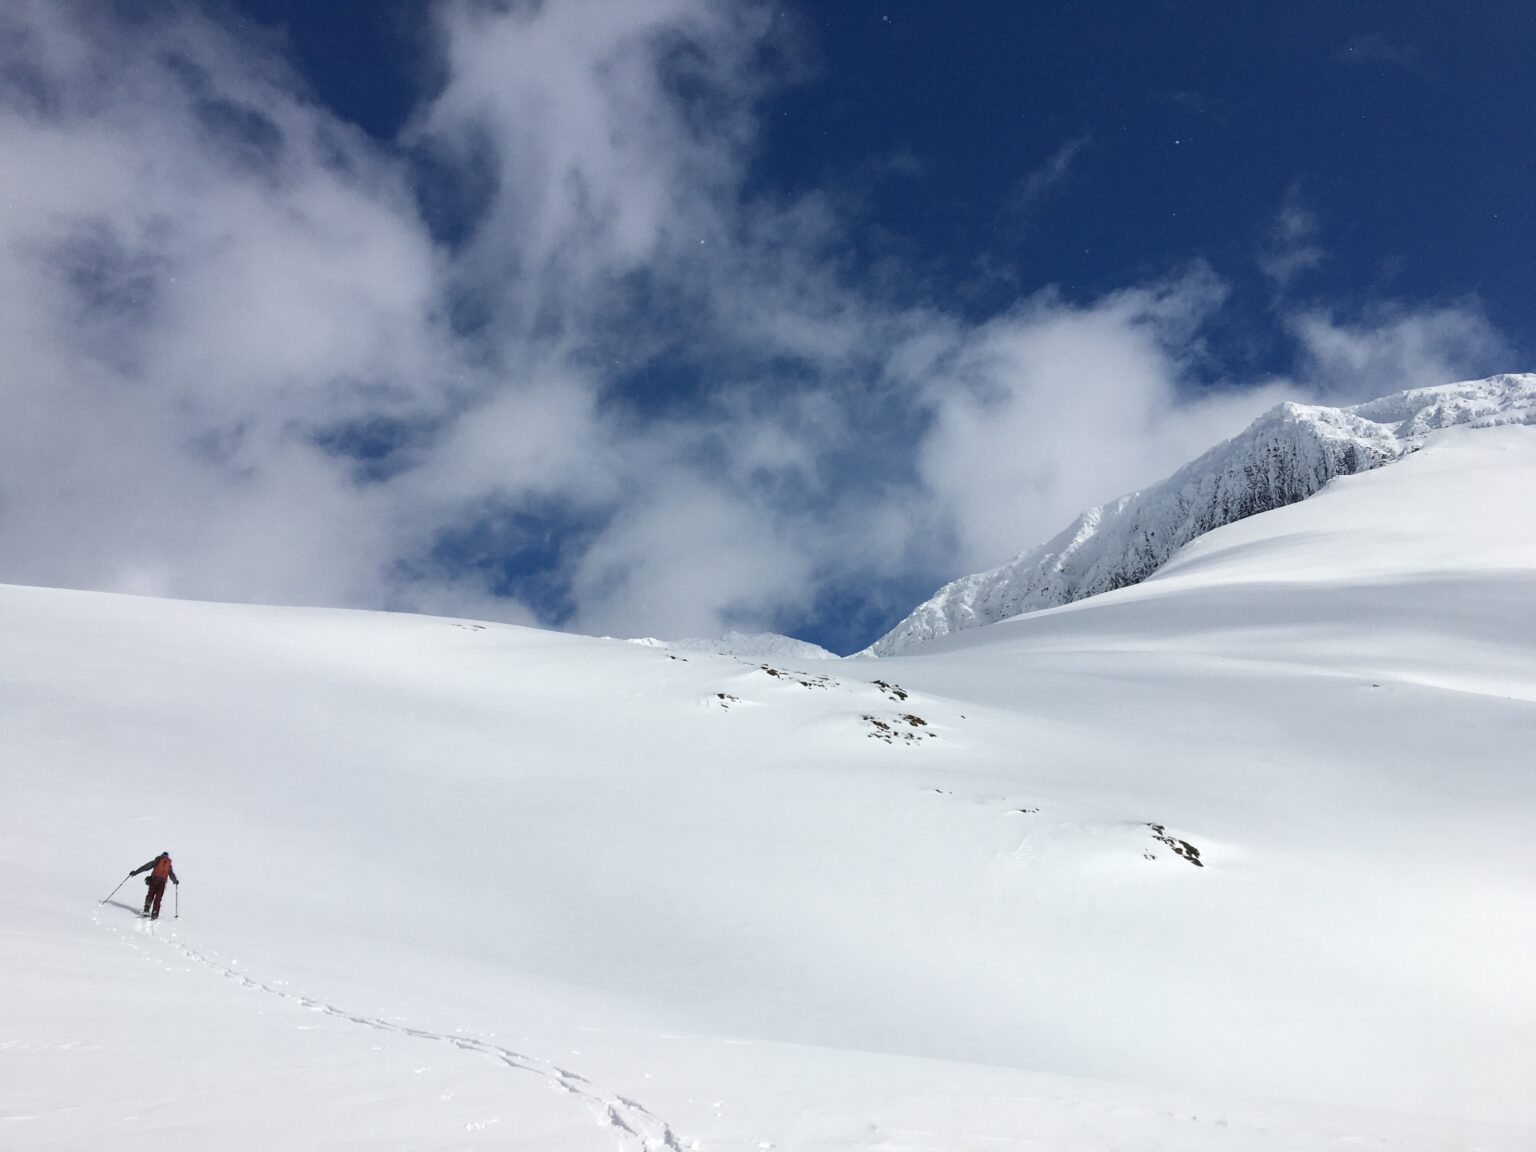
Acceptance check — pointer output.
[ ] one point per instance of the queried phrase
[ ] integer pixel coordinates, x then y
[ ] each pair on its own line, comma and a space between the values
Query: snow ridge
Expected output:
1286, 455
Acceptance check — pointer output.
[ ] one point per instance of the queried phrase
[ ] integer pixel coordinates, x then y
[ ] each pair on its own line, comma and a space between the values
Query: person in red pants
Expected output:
159, 870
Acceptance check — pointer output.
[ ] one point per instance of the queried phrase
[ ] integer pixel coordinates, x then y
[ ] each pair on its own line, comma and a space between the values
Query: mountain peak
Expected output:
1286, 455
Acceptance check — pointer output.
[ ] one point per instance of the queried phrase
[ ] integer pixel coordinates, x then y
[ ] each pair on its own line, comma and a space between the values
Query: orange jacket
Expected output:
162, 868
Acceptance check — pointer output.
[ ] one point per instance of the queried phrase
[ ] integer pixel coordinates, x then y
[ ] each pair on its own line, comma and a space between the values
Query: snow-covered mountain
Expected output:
1239, 859
748, 646
1286, 455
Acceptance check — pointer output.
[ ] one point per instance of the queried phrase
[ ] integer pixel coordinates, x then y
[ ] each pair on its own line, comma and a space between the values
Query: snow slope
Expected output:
1286, 455
460, 886
749, 646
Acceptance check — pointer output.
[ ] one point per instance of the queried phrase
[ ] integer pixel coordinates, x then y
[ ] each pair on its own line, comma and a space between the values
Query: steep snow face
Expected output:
1286, 455
748, 646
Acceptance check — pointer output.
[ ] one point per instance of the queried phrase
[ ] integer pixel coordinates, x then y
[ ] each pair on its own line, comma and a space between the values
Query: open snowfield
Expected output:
461, 886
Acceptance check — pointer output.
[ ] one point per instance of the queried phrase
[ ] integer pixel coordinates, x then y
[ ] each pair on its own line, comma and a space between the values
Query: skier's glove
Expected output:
176, 882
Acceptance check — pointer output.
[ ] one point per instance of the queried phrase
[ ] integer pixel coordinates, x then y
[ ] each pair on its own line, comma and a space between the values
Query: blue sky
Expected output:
666, 318
1001, 148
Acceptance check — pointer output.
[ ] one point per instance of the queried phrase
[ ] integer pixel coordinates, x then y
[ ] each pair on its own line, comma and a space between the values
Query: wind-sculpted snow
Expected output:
1287, 455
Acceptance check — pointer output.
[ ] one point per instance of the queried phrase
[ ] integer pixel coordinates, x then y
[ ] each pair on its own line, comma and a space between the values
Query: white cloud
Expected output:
213, 288
1054, 407
600, 167
671, 554
176, 319
1388, 348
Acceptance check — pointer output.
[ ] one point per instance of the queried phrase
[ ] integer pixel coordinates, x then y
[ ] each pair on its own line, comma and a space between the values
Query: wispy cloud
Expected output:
1038, 185
1291, 245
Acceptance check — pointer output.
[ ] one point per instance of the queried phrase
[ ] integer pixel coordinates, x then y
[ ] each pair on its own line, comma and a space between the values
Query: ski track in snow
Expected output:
631, 1120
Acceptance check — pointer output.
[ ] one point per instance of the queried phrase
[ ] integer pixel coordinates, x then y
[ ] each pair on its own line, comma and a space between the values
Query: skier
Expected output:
159, 869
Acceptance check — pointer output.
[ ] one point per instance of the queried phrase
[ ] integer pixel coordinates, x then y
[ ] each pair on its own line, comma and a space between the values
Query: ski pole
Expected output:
178, 902
120, 883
